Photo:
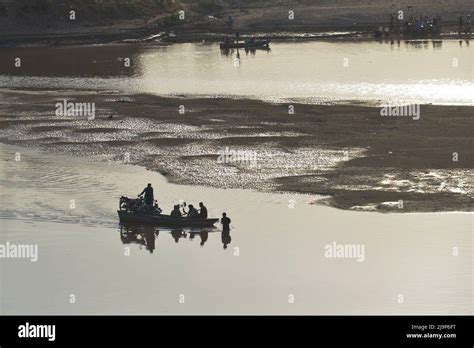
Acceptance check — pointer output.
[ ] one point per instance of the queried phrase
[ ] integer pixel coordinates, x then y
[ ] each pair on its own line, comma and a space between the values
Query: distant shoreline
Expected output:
140, 36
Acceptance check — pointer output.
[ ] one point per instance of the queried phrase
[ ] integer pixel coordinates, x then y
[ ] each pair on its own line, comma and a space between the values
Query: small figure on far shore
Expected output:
225, 238
230, 22
468, 25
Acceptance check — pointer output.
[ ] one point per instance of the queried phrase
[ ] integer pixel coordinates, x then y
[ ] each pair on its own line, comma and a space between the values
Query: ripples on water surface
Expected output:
281, 250
272, 251
438, 72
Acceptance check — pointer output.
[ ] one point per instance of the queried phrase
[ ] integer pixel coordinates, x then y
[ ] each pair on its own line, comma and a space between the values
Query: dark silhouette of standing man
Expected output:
225, 235
148, 195
225, 221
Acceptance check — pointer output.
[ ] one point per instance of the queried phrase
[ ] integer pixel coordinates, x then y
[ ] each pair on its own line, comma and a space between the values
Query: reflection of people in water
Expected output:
225, 238
146, 235
204, 235
148, 191
176, 212
135, 234
177, 234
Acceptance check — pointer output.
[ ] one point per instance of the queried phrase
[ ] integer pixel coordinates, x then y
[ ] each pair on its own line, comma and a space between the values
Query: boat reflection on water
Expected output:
141, 235
145, 235
225, 238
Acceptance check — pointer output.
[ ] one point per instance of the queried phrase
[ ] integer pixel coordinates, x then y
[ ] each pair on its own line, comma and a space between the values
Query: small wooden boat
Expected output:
164, 220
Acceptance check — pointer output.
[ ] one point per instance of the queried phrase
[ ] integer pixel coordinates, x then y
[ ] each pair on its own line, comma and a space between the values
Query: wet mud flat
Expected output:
349, 153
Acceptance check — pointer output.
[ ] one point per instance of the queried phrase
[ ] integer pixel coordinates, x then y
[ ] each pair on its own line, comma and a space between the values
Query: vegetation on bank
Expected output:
88, 12
37, 16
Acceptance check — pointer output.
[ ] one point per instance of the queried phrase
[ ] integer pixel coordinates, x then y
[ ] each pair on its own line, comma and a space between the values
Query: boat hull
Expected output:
164, 220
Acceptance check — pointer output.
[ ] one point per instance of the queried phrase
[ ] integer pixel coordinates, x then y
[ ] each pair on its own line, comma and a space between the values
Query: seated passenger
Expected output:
193, 212
202, 211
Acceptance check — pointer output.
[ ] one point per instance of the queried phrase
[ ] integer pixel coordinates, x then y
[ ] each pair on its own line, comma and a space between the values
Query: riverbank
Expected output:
349, 153
98, 36
51, 25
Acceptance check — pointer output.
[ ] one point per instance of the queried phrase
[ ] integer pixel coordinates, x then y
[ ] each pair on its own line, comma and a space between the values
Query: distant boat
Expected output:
164, 220
248, 45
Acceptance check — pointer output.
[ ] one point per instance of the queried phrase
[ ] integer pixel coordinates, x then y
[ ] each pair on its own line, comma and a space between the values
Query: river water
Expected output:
426, 71
274, 261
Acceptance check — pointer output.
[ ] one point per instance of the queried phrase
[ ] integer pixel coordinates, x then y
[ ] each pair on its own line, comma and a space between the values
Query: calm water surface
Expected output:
273, 252
439, 72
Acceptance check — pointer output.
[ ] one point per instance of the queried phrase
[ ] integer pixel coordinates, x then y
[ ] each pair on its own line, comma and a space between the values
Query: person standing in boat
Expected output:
148, 191
225, 238
230, 22
202, 211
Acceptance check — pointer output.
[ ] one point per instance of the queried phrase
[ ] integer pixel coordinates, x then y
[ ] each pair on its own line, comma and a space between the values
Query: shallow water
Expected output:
425, 71
276, 252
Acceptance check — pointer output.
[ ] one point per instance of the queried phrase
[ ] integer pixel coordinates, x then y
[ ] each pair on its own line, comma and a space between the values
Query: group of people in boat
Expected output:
192, 212
251, 41
149, 199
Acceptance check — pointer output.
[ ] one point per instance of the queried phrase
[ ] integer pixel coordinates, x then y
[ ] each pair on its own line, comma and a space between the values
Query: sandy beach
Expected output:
349, 153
